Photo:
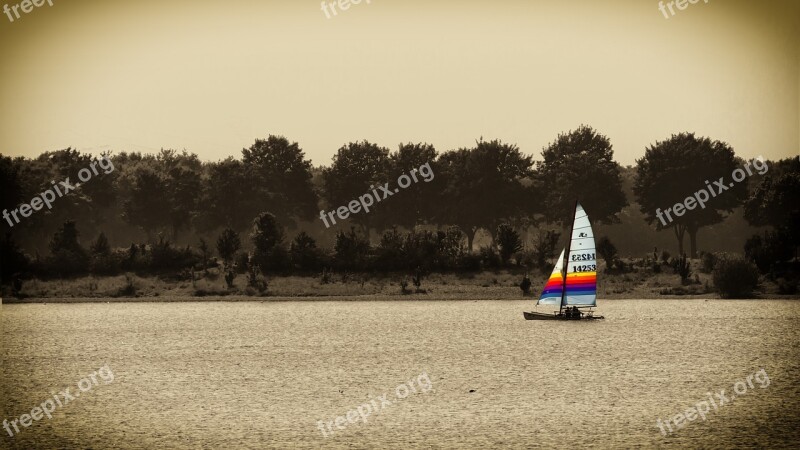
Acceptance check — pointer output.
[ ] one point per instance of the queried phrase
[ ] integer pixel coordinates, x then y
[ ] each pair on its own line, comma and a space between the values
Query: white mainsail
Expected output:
581, 283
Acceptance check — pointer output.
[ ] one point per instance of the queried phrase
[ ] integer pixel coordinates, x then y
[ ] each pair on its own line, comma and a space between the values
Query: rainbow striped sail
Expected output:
551, 294
580, 288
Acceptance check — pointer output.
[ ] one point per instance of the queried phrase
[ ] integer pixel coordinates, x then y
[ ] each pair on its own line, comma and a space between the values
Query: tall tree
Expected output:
228, 243
508, 241
68, 257
283, 177
267, 237
357, 169
184, 186
10, 184
181, 172
87, 204
482, 187
12, 260
776, 200
147, 207
66, 238
229, 197
419, 201
675, 169
579, 165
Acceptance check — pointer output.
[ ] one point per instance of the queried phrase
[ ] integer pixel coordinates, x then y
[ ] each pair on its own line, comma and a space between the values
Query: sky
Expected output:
211, 77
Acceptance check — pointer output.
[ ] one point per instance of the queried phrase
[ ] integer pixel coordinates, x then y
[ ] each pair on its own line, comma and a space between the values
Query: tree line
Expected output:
492, 186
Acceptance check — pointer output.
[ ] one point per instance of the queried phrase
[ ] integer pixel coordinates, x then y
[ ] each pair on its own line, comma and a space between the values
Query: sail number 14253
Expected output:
586, 268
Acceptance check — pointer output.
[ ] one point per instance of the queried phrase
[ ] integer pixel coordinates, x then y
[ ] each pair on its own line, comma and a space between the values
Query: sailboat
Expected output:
573, 283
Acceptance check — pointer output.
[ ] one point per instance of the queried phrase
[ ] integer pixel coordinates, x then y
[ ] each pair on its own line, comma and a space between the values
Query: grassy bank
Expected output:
485, 285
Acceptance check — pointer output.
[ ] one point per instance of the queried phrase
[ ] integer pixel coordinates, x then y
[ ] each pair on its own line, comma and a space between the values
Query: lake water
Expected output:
261, 375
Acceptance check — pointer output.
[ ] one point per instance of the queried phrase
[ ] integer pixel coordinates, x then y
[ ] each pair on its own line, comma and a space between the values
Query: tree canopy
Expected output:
483, 186
675, 169
470, 189
776, 200
579, 165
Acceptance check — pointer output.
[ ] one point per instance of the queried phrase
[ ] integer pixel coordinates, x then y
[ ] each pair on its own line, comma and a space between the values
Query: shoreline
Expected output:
486, 285
337, 298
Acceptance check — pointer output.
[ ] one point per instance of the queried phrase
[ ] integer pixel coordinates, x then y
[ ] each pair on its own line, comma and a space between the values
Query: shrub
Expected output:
229, 277
665, 257
66, 263
735, 277
277, 260
526, 258
404, 287
326, 276
16, 287
682, 267
68, 257
267, 233
707, 262
417, 278
228, 243
12, 260
66, 238
133, 259
620, 266
351, 250
389, 254
489, 258
421, 249
129, 288
303, 253
164, 257
787, 287
205, 253
101, 260
267, 237
770, 251
105, 264
525, 285
451, 247
508, 240
100, 245
240, 262
255, 277
469, 262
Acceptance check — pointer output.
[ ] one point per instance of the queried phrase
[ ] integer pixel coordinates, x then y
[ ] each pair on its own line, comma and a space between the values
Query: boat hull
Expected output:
555, 316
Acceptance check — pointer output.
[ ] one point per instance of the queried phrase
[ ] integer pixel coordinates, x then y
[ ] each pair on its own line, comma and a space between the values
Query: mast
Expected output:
564, 262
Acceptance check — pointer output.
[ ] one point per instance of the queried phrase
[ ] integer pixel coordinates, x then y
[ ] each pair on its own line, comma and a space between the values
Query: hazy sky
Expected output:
211, 76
